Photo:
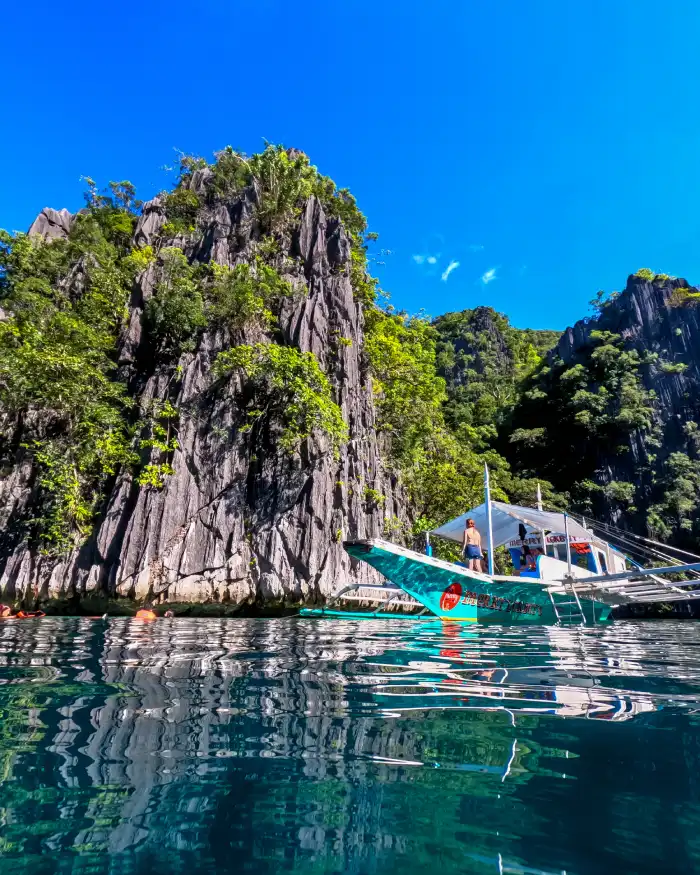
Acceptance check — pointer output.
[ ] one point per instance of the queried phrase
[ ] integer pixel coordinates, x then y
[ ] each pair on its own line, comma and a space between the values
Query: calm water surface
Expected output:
348, 747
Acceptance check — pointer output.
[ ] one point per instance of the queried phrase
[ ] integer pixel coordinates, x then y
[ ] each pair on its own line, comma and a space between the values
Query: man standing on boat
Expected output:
471, 546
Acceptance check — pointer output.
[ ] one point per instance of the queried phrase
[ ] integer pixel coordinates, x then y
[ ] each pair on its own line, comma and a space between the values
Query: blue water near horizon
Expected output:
317, 746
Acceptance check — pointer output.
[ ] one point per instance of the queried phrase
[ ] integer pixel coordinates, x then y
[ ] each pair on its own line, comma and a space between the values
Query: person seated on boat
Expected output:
5, 611
531, 559
524, 559
471, 546
146, 613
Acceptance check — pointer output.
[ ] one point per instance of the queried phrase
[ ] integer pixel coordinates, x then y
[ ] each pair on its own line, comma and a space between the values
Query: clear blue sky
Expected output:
550, 147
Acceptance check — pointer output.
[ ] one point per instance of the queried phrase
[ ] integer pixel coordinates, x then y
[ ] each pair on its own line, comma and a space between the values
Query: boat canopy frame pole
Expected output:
543, 534
489, 523
646, 572
568, 544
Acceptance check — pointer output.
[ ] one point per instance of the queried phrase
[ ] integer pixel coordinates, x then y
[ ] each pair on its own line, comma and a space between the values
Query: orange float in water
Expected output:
144, 614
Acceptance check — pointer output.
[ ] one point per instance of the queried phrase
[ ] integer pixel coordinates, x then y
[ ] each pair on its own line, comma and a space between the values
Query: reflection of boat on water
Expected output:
558, 678
491, 701
502, 865
574, 576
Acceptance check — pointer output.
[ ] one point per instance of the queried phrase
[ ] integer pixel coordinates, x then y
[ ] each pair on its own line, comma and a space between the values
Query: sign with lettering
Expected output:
496, 603
535, 540
450, 598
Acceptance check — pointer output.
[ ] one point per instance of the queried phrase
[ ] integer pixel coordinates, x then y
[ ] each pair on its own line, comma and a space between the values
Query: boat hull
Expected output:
455, 593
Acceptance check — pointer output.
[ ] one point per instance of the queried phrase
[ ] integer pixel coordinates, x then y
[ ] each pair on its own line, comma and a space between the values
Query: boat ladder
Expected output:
571, 610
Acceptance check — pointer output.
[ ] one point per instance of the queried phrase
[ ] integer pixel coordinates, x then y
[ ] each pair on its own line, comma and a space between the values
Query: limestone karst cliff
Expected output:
613, 416
235, 519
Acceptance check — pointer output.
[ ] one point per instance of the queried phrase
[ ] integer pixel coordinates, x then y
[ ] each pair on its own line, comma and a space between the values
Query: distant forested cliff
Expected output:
202, 396
607, 413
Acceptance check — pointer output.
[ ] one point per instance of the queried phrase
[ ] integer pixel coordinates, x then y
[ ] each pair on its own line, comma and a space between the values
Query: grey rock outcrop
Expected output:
238, 520
651, 318
51, 224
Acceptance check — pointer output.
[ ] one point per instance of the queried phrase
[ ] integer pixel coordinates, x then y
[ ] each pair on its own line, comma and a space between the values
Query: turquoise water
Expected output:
319, 746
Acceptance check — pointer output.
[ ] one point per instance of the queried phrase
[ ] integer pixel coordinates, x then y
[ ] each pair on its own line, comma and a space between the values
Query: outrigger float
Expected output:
577, 576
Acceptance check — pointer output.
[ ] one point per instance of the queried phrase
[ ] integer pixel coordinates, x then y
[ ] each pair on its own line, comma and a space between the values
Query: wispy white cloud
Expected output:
453, 265
476, 247
426, 259
488, 276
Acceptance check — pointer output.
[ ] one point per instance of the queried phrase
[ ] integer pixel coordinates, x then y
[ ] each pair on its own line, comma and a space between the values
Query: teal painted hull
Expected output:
454, 593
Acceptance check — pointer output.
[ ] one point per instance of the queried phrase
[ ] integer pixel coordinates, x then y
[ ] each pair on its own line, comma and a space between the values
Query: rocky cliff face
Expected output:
238, 520
656, 317
652, 316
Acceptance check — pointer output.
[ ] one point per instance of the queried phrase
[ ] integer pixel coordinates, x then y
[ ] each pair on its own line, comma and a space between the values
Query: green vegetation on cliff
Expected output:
485, 361
575, 416
59, 390
451, 393
288, 387
443, 387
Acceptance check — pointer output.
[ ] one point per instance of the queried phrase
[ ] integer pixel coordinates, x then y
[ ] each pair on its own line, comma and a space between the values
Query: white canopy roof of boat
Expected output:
505, 522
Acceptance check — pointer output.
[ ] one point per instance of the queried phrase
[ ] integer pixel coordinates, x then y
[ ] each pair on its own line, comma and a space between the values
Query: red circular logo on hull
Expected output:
450, 598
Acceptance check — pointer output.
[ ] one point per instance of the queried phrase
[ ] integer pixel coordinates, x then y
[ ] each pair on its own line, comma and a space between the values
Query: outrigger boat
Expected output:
577, 576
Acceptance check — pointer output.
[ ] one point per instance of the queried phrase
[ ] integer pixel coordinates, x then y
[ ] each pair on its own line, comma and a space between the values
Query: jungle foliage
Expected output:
574, 416
434, 412
59, 392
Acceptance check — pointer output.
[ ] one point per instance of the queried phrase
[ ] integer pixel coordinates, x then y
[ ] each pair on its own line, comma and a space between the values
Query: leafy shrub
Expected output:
372, 497
645, 274
139, 259
619, 491
528, 436
364, 286
181, 208
683, 297
679, 485
175, 314
114, 209
153, 474
287, 180
161, 426
603, 299
244, 294
409, 394
672, 368
231, 173
289, 388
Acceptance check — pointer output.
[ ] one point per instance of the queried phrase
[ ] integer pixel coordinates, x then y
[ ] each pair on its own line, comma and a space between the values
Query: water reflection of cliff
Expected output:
232, 744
